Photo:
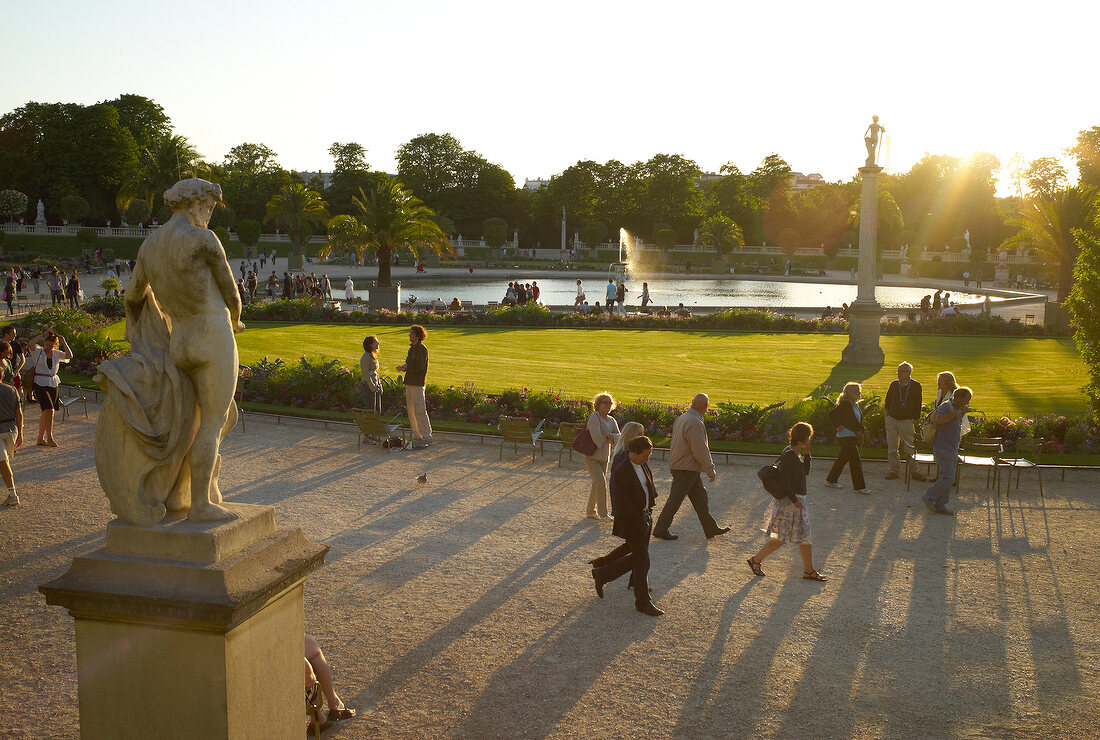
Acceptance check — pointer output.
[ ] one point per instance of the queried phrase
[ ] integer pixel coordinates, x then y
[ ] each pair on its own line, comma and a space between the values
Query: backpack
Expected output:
834, 414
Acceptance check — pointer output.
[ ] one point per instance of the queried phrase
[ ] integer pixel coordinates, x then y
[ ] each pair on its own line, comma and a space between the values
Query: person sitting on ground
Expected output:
456, 305
682, 310
318, 672
438, 304
828, 313
584, 307
949, 311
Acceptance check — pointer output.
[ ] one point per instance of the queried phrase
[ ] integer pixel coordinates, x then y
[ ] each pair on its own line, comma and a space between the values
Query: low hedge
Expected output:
732, 319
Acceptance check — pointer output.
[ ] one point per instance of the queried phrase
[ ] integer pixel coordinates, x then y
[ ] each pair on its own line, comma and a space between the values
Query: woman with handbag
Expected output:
372, 384
787, 519
604, 430
849, 421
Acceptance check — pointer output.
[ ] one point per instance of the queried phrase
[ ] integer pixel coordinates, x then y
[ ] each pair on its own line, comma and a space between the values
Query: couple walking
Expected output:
633, 495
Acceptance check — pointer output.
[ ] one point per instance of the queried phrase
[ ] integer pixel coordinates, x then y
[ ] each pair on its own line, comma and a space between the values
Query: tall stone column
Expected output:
191, 629
865, 313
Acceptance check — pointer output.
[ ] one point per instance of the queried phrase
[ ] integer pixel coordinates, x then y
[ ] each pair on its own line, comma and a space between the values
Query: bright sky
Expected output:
536, 87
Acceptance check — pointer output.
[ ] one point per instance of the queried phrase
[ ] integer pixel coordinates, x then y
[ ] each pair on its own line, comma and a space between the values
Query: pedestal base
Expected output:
863, 335
388, 297
192, 629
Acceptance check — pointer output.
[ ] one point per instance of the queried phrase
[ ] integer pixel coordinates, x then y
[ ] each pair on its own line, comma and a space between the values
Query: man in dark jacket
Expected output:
903, 406
633, 496
416, 370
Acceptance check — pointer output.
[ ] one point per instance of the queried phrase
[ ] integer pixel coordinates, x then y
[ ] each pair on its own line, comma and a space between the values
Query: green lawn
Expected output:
1018, 376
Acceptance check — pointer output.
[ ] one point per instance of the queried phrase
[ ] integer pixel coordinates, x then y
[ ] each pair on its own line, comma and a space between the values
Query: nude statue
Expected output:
871, 139
170, 403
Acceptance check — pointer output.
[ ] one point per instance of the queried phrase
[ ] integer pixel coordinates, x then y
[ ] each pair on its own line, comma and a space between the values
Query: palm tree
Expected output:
162, 164
296, 205
385, 218
722, 233
1047, 226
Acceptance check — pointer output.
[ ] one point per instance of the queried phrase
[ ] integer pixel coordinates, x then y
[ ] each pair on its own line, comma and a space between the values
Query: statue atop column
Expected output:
170, 402
871, 140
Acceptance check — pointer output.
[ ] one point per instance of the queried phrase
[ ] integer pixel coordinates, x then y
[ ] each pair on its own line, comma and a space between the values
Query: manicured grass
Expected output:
1008, 374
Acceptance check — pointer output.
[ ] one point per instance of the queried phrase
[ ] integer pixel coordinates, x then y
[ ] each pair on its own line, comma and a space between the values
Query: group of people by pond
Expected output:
520, 294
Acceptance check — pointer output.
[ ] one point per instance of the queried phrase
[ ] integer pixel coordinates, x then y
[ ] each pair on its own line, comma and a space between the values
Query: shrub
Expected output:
222, 233
74, 208
248, 231
137, 212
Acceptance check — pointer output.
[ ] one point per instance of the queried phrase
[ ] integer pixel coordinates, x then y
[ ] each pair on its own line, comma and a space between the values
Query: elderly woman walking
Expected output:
604, 430
849, 421
787, 519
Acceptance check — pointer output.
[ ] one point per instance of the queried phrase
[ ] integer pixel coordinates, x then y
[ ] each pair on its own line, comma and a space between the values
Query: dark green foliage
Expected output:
248, 231
223, 234
495, 232
86, 236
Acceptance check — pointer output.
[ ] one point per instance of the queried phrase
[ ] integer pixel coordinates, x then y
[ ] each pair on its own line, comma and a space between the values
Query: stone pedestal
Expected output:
295, 262
865, 313
387, 297
863, 335
190, 630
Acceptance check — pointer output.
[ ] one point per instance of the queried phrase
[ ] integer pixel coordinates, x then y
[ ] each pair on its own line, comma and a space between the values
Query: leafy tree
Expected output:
665, 238
495, 232
1083, 304
248, 231
722, 233
890, 221
670, 195
294, 206
822, 214
732, 197
1045, 176
349, 157
12, 204
594, 232
388, 217
143, 118
446, 225
250, 177
1087, 154
222, 233
789, 241
86, 236
74, 208
773, 172
137, 212
1051, 227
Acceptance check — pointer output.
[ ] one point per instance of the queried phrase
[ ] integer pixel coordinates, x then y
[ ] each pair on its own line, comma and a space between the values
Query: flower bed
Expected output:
733, 319
333, 387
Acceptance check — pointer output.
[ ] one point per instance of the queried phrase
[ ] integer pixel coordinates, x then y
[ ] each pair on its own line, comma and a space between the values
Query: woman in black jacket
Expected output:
786, 519
849, 429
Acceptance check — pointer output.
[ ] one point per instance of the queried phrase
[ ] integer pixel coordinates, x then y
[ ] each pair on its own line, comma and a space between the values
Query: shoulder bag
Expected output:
583, 443
773, 484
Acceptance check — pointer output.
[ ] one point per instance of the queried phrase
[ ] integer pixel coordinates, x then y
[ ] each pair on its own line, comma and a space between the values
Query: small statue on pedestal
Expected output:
871, 140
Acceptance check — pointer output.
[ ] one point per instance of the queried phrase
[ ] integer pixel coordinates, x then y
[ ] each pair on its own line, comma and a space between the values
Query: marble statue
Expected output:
871, 140
170, 402
966, 235
41, 212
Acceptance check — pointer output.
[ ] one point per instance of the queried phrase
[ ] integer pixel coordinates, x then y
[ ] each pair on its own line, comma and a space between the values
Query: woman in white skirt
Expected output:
787, 519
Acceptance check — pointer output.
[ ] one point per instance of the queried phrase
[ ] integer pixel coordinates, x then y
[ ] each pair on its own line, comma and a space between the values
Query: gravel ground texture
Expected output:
464, 607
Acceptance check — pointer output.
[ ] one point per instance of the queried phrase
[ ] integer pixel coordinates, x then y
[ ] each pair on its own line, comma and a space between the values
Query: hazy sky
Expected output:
536, 87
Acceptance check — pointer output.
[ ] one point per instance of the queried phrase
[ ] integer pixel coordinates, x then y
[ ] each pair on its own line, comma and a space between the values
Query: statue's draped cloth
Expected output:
148, 422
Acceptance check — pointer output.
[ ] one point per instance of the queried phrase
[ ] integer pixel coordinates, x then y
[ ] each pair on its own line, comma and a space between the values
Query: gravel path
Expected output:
464, 607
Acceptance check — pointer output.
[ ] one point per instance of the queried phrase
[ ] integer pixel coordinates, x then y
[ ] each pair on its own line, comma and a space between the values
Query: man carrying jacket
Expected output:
903, 407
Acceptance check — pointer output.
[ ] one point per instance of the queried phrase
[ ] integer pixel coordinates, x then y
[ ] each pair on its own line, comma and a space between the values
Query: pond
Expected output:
671, 291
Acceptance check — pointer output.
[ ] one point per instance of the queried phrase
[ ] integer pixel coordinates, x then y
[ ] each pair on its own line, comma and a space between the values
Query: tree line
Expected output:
111, 161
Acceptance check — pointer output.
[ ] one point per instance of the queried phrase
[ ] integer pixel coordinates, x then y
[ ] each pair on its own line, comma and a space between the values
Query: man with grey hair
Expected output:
903, 407
688, 457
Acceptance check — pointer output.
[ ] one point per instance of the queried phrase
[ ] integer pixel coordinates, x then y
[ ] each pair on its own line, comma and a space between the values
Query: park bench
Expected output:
1019, 463
517, 430
375, 430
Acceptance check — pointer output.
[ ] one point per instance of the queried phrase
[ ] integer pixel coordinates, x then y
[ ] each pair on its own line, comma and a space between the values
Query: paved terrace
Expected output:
464, 607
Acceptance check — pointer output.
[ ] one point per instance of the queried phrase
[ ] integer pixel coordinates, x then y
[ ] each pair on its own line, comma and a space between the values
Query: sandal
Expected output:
813, 575
335, 715
755, 565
